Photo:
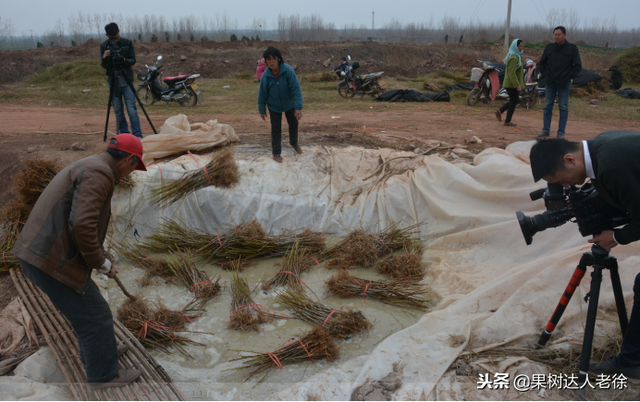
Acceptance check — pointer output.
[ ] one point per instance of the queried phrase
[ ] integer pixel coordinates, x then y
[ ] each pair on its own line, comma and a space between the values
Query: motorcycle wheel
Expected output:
377, 90
346, 91
193, 100
145, 95
473, 96
530, 100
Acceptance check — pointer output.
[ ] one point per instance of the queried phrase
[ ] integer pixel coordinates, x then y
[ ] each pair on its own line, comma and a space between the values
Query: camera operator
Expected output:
123, 57
611, 161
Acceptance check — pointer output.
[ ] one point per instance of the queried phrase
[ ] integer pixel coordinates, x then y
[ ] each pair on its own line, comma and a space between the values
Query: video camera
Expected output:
591, 212
116, 59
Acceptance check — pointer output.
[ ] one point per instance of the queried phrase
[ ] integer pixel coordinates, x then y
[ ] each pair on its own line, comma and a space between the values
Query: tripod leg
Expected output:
587, 343
139, 102
111, 88
578, 274
617, 293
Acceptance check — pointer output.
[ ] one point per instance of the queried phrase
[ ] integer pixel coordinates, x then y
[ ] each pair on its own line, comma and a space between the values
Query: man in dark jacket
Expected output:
61, 243
122, 92
560, 64
610, 160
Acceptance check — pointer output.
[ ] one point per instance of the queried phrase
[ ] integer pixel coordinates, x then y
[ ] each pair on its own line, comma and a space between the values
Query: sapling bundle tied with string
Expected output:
361, 249
30, 182
405, 266
155, 327
152, 266
173, 235
339, 323
246, 315
401, 293
315, 345
295, 261
221, 172
183, 266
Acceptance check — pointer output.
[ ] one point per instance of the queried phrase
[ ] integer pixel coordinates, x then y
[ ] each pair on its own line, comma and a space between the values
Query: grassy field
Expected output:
62, 86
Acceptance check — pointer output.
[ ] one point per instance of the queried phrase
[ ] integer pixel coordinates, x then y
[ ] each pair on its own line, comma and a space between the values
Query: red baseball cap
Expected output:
130, 144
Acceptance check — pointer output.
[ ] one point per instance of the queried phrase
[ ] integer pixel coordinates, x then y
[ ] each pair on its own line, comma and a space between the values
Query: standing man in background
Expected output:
560, 64
122, 93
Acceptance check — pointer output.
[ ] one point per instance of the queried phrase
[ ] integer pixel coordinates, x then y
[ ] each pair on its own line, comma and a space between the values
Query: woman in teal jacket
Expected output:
280, 93
513, 81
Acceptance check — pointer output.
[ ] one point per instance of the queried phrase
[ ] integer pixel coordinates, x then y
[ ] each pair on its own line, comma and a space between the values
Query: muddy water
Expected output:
203, 376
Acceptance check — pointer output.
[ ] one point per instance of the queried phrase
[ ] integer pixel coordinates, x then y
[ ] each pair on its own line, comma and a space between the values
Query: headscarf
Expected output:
514, 51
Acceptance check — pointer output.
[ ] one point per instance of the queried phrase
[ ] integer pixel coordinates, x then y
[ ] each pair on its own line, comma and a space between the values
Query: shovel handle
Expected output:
124, 290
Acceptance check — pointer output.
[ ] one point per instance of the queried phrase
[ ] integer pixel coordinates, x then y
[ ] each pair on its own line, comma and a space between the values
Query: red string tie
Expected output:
289, 272
220, 241
142, 260
382, 241
159, 168
145, 326
199, 283
187, 317
301, 344
365, 290
16, 222
204, 168
3, 260
314, 259
275, 359
327, 319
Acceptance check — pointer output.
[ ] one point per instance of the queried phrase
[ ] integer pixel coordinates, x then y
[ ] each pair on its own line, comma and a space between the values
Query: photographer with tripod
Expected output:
118, 56
610, 160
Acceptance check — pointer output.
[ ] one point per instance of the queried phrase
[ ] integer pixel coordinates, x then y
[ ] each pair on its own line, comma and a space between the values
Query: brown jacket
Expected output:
66, 228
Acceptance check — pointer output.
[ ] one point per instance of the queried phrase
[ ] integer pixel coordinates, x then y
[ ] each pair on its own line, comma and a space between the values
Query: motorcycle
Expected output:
482, 89
179, 89
365, 84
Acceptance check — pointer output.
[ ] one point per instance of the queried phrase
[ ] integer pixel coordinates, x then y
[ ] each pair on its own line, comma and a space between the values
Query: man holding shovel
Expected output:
61, 243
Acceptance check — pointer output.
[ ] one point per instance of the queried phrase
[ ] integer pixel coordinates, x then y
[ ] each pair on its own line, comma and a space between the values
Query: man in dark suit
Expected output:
611, 161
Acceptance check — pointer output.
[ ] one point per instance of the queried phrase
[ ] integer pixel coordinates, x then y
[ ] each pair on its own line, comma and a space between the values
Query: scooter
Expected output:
482, 88
365, 84
179, 89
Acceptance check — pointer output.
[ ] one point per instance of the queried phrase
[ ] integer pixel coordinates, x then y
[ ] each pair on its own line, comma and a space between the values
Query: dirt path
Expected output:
48, 132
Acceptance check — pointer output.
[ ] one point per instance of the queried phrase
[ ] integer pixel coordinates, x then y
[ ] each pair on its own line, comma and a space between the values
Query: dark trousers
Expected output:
276, 129
510, 107
91, 319
630, 351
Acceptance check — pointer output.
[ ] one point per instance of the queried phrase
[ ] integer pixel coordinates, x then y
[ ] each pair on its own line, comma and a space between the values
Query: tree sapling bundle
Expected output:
204, 289
245, 314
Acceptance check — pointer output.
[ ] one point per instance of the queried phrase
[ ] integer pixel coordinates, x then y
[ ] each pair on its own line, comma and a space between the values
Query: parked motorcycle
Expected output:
179, 89
482, 89
365, 84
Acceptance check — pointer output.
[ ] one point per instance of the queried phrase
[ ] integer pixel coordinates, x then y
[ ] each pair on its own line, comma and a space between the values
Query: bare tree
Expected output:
6, 30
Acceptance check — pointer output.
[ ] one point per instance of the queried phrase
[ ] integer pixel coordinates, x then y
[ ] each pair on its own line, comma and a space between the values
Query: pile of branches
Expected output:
406, 266
401, 293
317, 344
155, 327
245, 314
295, 261
30, 183
152, 266
360, 249
173, 235
126, 183
204, 289
222, 172
338, 323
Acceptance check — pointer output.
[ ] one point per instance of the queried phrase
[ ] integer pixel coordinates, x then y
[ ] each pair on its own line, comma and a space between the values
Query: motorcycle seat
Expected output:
177, 78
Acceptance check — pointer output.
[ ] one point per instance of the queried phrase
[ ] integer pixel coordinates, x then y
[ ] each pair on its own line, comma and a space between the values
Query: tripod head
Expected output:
116, 59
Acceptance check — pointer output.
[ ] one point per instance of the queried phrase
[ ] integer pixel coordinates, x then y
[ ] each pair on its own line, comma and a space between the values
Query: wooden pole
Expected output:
124, 290
506, 31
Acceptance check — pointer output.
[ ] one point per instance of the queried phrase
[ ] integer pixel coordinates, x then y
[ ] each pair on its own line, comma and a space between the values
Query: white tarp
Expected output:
491, 288
177, 135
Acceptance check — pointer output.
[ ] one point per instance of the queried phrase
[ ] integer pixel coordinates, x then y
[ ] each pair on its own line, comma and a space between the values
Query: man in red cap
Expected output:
61, 243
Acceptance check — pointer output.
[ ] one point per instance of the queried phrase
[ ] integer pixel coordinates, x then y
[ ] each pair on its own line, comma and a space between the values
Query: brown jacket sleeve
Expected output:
90, 199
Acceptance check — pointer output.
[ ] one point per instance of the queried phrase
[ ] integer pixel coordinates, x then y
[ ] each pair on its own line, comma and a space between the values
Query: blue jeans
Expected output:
550, 92
630, 351
91, 319
130, 101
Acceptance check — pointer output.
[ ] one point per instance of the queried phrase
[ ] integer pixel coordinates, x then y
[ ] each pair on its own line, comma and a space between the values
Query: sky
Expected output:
41, 15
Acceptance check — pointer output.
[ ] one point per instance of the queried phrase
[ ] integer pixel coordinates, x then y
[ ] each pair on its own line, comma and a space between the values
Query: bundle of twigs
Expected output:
293, 263
396, 293
339, 323
222, 171
126, 183
314, 242
360, 249
173, 235
154, 328
315, 345
153, 266
406, 266
204, 289
8, 261
246, 241
238, 265
245, 314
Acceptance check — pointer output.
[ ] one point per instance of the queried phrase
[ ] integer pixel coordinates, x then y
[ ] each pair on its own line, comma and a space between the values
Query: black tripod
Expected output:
116, 73
600, 259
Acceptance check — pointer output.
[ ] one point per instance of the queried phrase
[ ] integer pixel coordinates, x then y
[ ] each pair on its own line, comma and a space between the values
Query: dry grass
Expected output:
405, 266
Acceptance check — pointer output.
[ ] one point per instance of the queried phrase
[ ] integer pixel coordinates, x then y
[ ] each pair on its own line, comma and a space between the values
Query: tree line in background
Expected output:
80, 27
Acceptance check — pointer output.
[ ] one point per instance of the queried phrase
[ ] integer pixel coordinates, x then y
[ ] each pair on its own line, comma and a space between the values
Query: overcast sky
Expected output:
40, 15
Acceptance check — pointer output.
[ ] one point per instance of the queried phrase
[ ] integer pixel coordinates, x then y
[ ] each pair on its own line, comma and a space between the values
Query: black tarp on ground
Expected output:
411, 95
460, 87
629, 93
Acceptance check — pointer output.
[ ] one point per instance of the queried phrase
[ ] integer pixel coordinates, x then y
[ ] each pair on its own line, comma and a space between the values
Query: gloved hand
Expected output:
105, 268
